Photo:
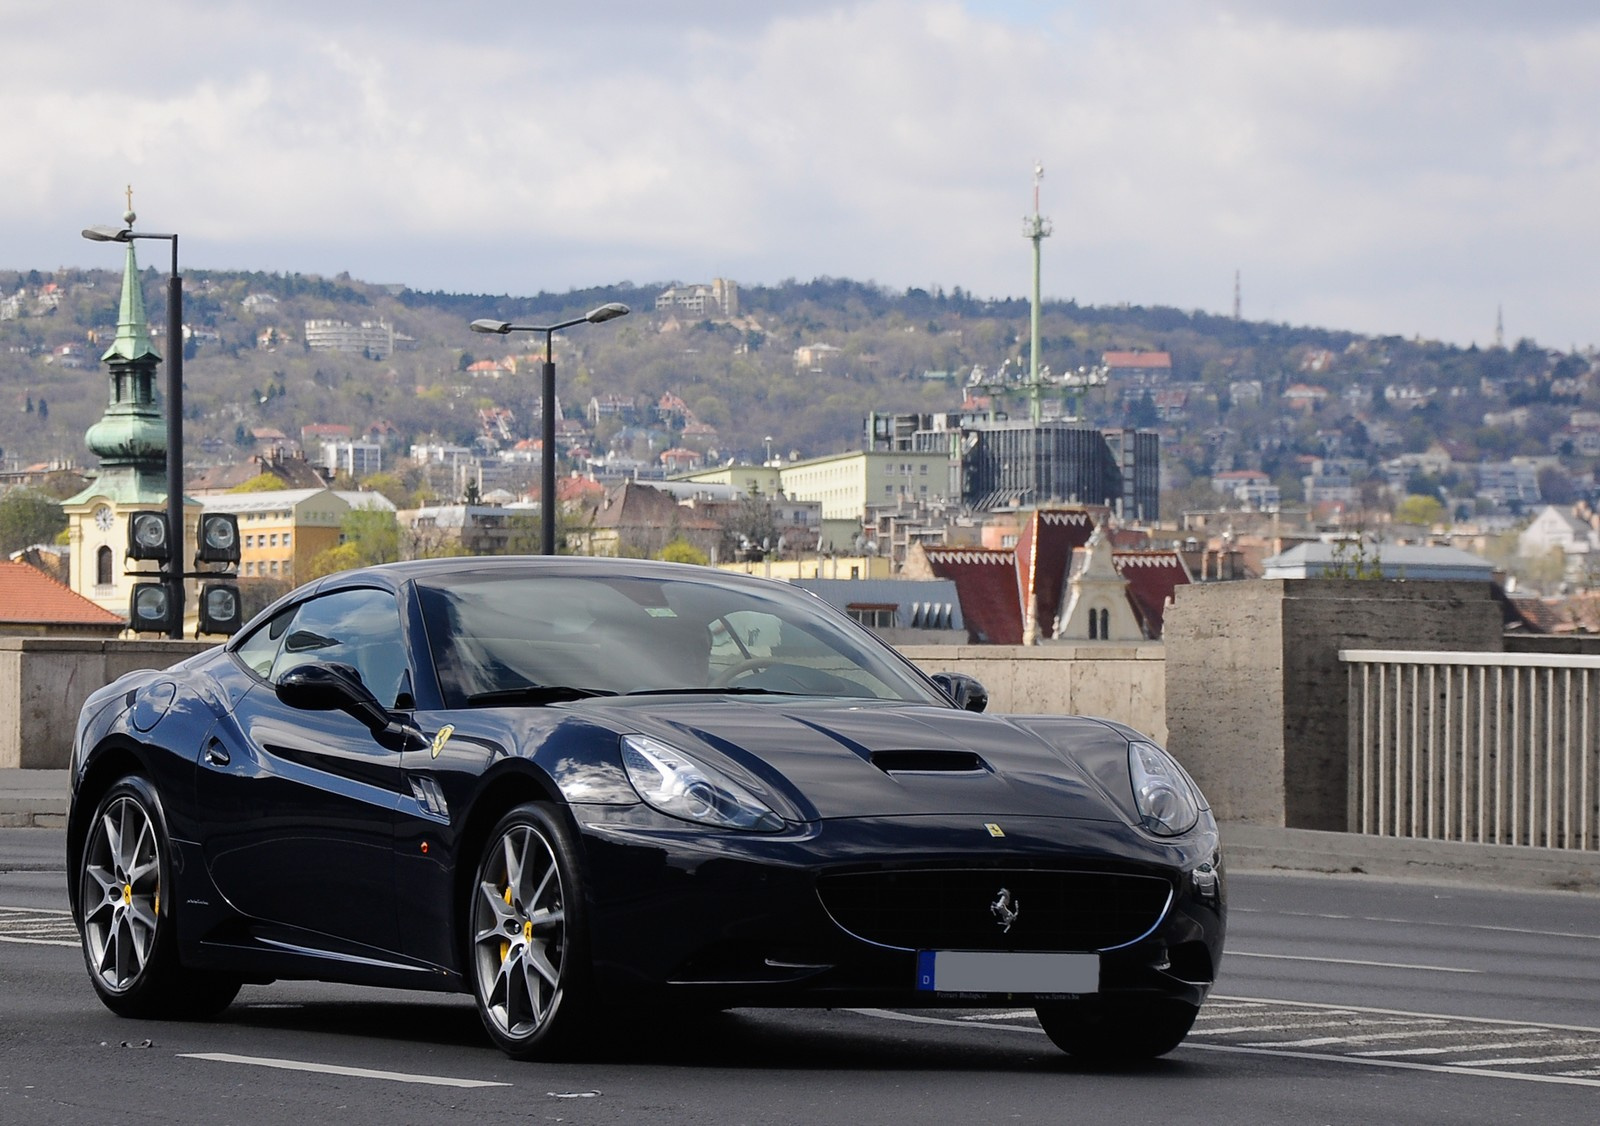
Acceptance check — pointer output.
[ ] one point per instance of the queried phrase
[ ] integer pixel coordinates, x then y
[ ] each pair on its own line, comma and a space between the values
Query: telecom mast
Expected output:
1036, 228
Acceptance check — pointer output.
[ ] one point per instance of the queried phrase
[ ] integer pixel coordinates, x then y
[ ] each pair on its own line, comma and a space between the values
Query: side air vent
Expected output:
945, 762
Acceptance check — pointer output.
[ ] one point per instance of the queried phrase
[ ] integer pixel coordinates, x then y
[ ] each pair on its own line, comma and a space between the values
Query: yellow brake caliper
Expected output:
505, 947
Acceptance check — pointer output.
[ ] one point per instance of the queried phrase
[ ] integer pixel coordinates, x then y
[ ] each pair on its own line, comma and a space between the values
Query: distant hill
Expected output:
247, 367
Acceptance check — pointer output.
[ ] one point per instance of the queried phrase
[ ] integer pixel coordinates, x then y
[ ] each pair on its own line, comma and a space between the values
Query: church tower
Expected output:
130, 440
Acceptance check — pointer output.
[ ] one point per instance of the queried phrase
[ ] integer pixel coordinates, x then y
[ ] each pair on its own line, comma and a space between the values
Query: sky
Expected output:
1414, 169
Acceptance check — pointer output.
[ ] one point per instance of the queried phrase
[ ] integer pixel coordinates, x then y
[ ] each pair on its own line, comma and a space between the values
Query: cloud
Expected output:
1389, 171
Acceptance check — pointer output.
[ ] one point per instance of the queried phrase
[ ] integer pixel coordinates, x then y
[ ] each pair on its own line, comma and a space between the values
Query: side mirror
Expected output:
965, 691
333, 687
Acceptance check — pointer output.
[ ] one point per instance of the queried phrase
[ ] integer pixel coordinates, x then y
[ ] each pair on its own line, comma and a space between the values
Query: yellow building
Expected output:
282, 531
97, 532
818, 567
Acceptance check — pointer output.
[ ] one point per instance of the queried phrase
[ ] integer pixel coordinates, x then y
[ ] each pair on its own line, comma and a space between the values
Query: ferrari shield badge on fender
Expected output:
442, 738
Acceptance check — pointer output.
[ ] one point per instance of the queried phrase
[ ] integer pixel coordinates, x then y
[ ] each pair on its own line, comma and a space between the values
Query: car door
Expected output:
298, 807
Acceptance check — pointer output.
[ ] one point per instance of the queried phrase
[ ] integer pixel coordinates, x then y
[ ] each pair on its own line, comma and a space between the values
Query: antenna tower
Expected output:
1237, 304
1036, 228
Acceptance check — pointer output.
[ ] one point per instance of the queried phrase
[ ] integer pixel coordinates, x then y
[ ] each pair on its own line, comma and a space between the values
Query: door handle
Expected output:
217, 755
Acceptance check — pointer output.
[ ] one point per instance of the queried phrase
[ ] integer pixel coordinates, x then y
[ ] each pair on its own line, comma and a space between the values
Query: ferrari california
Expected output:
571, 786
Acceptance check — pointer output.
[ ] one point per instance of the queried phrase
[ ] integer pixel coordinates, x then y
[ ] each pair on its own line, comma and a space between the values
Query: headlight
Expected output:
680, 786
1167, 801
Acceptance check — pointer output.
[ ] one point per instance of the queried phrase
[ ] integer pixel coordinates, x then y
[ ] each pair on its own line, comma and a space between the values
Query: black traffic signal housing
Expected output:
148, 537
218, 539
150, 608
220, 610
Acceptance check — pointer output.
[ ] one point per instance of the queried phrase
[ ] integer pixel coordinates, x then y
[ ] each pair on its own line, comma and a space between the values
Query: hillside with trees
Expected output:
248, 369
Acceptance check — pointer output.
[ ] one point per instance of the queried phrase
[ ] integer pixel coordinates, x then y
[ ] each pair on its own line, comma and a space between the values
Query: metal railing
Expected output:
1497, 748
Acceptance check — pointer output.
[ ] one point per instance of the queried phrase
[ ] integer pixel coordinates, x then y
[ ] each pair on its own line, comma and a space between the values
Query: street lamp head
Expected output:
498, 327
608, 312
101, 233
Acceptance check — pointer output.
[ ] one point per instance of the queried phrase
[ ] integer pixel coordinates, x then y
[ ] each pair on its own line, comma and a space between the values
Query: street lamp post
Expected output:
173, 568
547, 465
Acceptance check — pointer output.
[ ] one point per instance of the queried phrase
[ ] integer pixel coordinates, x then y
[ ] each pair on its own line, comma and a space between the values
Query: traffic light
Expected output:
219, 538
220, 611
150, 608
147, 536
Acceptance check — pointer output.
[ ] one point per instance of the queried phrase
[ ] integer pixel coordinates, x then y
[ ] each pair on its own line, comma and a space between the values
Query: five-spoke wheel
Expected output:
526, 913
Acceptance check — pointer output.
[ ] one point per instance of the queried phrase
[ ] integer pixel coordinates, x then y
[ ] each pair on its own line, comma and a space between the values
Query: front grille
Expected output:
953, 909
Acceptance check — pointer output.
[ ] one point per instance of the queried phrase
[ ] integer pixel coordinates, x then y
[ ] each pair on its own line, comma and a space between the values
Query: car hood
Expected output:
833, 759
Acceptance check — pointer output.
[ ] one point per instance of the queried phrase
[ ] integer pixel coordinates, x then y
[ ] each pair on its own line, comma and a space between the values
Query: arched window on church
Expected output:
1094, 625
102, 567
1105, 625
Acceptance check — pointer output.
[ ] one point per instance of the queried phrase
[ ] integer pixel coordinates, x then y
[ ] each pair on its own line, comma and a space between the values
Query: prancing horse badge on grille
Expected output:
1004, 910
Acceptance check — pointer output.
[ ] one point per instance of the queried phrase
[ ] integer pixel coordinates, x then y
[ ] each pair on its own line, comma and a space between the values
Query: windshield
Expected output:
508, 639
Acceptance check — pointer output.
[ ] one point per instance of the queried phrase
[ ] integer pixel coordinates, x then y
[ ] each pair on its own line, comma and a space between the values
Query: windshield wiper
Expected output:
534, 694
729, 690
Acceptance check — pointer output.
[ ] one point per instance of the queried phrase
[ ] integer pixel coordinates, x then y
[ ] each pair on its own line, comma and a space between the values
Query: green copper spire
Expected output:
133, 332
130, 439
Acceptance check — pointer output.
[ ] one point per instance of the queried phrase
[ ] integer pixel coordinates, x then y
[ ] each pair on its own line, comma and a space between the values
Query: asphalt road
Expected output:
1343, 1000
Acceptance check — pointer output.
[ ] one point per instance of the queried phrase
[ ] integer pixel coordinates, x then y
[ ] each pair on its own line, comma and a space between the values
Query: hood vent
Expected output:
927, 762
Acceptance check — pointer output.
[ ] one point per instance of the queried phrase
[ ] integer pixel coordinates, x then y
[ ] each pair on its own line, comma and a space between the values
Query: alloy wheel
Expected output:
519, 932
121, 893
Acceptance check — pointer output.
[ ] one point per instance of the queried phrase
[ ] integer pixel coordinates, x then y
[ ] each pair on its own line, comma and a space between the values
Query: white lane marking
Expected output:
1561, 1079
1294, 1025
1457, 1049
1019, 1014
1409, 1034
913, 1018
1508, 1026
1578, 1074
1351, 962
40, 942
1529, 1059
334, 1069
1415, 923
1403, 1065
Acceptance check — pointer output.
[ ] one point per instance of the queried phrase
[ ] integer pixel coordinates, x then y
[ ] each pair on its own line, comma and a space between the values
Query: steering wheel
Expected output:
749, 664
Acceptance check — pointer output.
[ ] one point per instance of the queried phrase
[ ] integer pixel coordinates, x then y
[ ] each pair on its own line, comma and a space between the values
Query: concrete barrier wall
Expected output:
44, 682
1258, 700
1126, 683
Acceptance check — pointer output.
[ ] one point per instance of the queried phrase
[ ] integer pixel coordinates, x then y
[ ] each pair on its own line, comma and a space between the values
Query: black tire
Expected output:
528, 954
1114, 1030
129, 925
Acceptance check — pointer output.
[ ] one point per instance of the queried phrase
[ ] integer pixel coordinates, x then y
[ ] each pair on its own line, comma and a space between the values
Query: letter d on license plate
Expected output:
983, 971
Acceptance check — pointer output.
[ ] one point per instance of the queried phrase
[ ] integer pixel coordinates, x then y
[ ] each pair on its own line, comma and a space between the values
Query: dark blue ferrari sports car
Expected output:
570, 785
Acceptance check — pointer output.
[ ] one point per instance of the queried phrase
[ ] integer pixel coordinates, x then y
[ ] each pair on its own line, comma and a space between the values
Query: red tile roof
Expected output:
1044, 555
986, 585
1152, 578
31, 597
1137, 359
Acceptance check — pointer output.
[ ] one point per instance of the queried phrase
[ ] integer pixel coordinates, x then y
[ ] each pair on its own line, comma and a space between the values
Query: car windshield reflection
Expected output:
499, 640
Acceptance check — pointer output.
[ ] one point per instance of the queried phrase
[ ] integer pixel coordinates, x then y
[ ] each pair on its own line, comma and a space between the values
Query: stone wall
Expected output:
1124, 682
1257, 699
44, 682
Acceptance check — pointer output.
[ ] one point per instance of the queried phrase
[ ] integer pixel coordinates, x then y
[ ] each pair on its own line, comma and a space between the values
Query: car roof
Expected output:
414, 569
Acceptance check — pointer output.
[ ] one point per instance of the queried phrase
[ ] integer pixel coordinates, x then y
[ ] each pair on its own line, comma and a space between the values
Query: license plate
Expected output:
983, 971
